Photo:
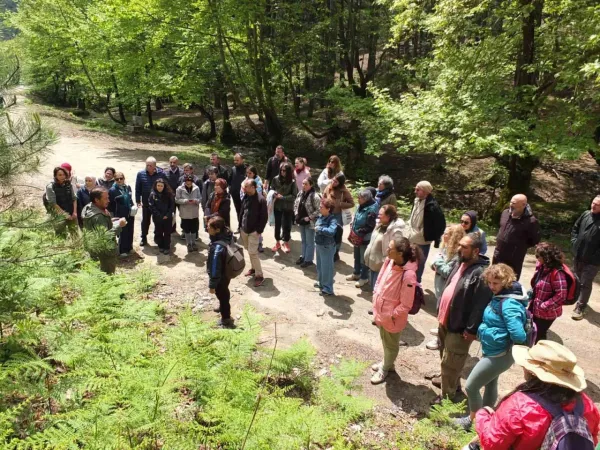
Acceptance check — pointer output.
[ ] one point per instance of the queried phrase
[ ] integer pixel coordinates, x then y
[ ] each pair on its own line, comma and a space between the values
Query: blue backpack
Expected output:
568, 430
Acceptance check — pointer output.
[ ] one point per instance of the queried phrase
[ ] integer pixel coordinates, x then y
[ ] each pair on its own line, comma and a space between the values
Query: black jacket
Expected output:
434, 222
273, 165
254, 214
238, 174
470, 298
585, 238
224, 208
161, 206
215, 266
173, 177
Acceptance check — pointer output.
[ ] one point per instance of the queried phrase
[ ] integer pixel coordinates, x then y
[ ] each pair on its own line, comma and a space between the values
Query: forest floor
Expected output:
339, 326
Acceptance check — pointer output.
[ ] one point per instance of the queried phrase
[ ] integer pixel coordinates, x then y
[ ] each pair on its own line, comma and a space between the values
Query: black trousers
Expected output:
543, 325
237, 202
126, 236
162, 233
190, 225
283, 220
146, 218
223, 294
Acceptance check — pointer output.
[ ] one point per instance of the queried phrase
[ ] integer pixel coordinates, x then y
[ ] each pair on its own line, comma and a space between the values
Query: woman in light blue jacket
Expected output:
469, 223
503, 325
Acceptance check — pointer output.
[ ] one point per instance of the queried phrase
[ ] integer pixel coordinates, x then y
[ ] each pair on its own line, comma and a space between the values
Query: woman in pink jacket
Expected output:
393, 298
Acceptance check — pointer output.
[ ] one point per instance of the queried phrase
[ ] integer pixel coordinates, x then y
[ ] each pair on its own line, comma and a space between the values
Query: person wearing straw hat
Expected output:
552, 377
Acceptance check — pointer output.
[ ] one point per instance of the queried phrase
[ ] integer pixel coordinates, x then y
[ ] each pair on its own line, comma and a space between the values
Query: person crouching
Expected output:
220, 237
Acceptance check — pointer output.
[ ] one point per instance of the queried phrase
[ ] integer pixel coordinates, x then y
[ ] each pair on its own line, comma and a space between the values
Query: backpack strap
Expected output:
554, 409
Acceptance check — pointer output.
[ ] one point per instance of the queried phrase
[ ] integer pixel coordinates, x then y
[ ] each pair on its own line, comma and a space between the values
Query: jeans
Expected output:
325, 267
146, 218
586, 274
162, 233
308, 242
223, 294
250, 243
454, 350
373, 278
360, 268
126, 236
391, 347
339, 233
485, 375
425, 249
283, 220
542, 325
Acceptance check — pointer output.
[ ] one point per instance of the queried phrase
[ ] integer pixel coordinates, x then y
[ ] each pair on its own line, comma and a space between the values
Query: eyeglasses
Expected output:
119, 179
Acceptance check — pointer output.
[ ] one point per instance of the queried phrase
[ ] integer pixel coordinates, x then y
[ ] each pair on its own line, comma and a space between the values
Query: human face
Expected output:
214, 160
466, 250
151, 167
282, 171
383, 218
160, 187
465, 222
299, 165
250, 174
189, 183
213, 231
381, 186
89, 183
495, 285
331, 163
279, 153
120, 179
237, 160
188, 171
540, 260
250, 189
518, 204
420, 193
596, 206
218, 189
395, 254
324, 211
335, 183
173, 162
61, 176
109, 175
361, 200
102, 203
212, 176
306, 186
446, 235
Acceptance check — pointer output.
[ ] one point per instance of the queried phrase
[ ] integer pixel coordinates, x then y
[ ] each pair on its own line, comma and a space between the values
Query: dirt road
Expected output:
338, 326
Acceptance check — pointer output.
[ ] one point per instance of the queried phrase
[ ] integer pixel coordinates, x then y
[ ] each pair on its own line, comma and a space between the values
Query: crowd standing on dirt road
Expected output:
476, 300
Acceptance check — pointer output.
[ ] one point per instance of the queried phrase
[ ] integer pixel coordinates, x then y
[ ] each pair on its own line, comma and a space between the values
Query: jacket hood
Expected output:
411, 265
90, 210
483, 261
226, 236
516, 292
396, 225
528, 212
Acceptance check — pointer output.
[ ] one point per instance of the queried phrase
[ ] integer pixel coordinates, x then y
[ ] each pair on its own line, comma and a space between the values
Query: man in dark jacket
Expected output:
238, 174
519, 230
215, 161
427, 222
96, 216
462, 303
273, 165
174, 174
585, 239
253, 220
143, 186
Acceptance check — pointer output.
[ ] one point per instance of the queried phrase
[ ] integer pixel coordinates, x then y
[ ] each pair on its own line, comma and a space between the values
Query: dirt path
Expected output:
338, 326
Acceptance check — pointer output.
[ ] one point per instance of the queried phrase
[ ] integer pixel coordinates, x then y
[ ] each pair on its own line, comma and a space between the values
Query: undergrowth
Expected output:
89, 363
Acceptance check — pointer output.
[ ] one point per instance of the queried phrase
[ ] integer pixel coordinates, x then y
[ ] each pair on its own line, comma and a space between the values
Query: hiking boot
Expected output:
463, 422
379, 377
433, 344
250, 273
352, 277
578, 313
276, 247
360, 283
227, 323
258, 281
306, 264
300, 260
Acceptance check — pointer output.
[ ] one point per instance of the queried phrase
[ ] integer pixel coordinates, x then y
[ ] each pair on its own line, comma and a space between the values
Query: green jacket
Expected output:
94, 217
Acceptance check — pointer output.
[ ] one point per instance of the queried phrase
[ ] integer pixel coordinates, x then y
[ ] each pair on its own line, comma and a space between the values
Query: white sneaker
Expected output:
352, 277
434, 331
434, 344
361, 283
124, 255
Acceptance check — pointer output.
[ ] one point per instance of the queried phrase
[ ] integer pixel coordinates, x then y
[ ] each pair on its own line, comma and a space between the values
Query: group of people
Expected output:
477, 299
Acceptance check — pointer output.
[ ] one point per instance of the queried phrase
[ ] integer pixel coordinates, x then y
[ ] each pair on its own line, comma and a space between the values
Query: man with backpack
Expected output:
585, 239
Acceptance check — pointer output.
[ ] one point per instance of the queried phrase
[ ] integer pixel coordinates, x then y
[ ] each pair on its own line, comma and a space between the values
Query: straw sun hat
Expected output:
552, 363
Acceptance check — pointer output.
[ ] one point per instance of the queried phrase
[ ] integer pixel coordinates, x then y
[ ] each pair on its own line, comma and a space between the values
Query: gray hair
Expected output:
366, 195
173, 158
151, 160
387, 181
476, 241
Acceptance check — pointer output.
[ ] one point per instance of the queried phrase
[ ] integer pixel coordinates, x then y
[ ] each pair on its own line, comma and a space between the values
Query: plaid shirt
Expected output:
550, 292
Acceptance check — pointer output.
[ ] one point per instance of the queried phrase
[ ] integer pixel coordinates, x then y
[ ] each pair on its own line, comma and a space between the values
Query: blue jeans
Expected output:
325, 267
307, 234
373, 278
360, 268
425, 248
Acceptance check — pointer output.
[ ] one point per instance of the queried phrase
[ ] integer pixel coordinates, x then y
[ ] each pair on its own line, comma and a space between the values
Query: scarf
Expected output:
382, 195
214, 207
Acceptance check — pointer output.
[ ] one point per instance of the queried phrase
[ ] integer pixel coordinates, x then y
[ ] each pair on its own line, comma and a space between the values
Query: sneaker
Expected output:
379, 377
326, 294
261, 249
259, 281
250, 273
286, 247
300, 260
434, 331
306, 264
227, 323
377, 366
352, 277
578, 313
361, 283
276, 247
317, 285
190, 248
463, 422
433, 344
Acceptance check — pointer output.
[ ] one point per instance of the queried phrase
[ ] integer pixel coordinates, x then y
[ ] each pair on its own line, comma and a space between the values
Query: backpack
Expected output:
234, 259
529, 326
573, 285
418, 301
568, 431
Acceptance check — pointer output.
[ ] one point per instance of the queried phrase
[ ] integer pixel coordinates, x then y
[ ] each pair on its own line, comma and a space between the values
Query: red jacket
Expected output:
520, 423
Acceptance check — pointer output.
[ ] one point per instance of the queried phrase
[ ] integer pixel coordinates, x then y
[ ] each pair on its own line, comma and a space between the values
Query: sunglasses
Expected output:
465, 222
119, 178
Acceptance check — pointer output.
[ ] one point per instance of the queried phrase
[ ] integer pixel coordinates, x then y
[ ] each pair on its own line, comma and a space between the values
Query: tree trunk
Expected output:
159, 104
227, 134
520, 171
149, 112
211, 119
311, 107
81, 104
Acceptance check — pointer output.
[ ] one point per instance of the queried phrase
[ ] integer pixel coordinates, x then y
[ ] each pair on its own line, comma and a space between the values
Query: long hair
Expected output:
337, 166
456, 233
167, 191
289, 173
410, 252
551, 392
552, 255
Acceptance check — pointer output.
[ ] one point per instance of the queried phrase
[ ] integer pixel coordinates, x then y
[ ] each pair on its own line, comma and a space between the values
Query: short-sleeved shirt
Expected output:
447, 295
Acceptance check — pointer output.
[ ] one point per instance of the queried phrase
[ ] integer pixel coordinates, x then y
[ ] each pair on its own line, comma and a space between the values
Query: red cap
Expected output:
66, 166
